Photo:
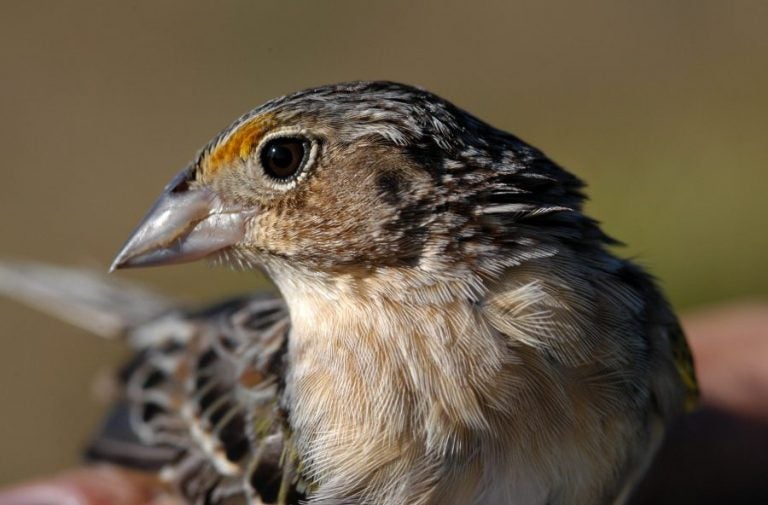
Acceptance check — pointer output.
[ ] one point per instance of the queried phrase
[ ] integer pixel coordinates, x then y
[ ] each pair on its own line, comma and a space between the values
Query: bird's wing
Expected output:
200, 399
206, 387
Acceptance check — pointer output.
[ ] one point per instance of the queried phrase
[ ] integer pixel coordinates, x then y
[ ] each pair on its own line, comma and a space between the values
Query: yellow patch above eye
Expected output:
237, 144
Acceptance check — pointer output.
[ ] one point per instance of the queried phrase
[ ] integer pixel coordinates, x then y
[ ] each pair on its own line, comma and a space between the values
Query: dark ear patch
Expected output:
391, 187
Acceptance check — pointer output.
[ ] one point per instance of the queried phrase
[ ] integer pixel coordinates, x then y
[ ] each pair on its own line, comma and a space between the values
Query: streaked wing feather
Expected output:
204, 393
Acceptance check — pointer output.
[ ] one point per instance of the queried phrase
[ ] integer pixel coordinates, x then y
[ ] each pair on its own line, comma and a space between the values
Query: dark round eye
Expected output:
282, 158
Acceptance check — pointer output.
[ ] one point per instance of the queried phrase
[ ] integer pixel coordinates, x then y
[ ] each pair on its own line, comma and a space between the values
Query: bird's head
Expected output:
355, 178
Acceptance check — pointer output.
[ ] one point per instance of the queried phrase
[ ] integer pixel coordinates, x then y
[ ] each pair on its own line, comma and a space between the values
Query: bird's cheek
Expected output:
269, 232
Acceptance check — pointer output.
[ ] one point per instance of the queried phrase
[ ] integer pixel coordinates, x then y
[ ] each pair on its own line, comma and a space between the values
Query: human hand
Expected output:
93, 485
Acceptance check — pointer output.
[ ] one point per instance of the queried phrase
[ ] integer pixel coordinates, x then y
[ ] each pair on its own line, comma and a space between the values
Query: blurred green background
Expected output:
661, 106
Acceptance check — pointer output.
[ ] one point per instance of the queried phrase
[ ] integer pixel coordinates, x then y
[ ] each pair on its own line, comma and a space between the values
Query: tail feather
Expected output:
87, 299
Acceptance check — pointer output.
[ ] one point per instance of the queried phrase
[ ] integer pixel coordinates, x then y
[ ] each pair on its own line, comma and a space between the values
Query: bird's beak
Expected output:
183, 225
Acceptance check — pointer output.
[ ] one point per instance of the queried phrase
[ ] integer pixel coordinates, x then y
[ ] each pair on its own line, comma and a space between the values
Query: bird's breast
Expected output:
393, 402
386, 394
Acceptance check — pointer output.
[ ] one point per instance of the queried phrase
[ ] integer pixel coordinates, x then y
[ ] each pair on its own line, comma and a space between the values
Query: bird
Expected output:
452, 329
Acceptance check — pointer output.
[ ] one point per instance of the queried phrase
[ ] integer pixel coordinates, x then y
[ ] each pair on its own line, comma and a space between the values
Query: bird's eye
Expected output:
283, 158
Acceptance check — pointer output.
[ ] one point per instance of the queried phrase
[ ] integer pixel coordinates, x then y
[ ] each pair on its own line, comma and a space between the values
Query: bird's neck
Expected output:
389, 366
404, 315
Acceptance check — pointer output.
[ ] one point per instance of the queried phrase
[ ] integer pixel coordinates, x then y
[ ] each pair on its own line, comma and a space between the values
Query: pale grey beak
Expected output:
183, 225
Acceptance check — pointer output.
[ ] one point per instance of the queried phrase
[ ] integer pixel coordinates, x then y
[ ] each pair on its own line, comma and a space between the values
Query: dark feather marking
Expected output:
390, 186
206, 359
154, 379
151, 410
233, 438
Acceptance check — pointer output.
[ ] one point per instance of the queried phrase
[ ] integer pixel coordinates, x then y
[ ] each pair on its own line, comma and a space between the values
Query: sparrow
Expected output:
453, 328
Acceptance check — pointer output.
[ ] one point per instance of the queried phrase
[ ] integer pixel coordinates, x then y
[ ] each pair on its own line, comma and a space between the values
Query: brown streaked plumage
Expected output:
455, 329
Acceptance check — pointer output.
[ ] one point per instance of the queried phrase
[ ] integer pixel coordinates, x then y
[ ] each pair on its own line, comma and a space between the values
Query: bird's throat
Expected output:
376, 378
